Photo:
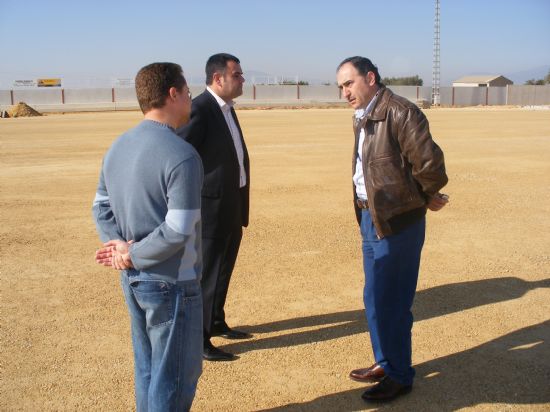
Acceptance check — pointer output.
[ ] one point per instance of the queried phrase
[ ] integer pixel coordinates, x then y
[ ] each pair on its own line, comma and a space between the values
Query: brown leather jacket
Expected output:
402, 165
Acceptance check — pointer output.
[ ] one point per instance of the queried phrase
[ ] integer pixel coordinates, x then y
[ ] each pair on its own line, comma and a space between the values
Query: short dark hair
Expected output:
153, 83
218, 63
363, 66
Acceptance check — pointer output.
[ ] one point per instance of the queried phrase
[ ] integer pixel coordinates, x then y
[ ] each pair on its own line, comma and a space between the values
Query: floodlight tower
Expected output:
435, 68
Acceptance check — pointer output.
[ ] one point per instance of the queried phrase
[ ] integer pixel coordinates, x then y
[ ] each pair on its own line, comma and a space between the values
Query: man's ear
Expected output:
216, 78
173, 92
371, 78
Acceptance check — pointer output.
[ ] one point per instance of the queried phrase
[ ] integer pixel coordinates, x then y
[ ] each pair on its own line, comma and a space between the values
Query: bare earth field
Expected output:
482, 332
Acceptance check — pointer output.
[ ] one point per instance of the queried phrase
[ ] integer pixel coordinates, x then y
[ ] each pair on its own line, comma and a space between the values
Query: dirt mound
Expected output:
22, 109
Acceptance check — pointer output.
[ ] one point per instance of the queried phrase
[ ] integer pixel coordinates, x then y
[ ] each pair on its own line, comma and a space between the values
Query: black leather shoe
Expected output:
211, 353
228, 333
385, 390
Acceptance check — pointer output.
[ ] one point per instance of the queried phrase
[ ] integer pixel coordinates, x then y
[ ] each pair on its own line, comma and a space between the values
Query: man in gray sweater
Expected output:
147, 211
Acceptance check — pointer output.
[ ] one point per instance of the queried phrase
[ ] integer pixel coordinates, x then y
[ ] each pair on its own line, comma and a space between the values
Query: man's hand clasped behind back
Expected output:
115, 253
438, 202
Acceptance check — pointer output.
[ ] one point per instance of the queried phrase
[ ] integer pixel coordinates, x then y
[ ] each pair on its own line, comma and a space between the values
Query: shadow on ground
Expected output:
513, 369
429, 303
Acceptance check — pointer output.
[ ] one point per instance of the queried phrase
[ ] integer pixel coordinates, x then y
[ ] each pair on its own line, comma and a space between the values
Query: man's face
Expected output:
356, 88
232, 81
183, 101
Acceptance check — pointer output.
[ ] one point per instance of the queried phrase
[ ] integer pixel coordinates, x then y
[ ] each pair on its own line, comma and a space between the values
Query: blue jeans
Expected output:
391, 272
166, 321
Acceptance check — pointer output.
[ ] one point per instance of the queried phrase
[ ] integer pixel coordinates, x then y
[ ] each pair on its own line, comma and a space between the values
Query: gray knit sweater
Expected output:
149, 191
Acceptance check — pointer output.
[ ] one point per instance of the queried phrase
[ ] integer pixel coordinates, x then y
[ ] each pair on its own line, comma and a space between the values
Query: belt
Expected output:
362, 204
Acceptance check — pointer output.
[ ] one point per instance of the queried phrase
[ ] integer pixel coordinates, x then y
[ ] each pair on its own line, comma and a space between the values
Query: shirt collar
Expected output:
223, 104
361, 113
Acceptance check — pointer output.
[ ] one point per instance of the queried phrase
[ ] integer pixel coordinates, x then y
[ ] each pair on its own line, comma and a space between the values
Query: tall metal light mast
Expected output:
435, 68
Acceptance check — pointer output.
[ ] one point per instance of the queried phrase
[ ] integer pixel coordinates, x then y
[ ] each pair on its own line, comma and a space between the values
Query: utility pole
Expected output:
436, 98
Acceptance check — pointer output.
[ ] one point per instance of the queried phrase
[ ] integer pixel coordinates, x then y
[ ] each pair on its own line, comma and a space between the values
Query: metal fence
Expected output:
60, 99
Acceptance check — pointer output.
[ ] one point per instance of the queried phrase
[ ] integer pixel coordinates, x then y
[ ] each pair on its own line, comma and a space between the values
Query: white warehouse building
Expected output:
494, 80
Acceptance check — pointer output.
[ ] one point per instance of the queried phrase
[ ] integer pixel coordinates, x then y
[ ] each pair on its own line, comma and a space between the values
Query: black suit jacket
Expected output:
225, 206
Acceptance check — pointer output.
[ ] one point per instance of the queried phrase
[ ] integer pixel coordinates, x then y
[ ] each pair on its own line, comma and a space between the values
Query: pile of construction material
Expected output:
21, 109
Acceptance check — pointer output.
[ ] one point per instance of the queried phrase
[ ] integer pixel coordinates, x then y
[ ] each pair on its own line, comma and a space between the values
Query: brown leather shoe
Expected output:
375, 373
385, 390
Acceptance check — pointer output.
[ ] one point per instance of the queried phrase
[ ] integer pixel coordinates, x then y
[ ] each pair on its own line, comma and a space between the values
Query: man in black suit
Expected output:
215, 133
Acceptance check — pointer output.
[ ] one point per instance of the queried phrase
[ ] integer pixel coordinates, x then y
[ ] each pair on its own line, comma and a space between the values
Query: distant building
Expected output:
482, 81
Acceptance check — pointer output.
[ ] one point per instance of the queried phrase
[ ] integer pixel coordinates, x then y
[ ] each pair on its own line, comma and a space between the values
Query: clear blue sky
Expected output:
113, 39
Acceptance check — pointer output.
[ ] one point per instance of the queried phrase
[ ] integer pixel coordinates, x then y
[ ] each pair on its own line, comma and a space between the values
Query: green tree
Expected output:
403, 81
293, 82
539, 82
533, 82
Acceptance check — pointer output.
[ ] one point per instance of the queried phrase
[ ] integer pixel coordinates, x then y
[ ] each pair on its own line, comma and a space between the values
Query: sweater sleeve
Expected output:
104, 217
182, 222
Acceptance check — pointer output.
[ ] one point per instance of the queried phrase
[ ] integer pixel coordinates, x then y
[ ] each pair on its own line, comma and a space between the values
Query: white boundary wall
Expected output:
38, 96
125, 95
88, 96
529, 95
58, 99
5, 97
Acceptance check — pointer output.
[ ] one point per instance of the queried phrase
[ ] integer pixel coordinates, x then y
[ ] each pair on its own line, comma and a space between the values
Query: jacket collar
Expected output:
381, 107
222, 103
379, 110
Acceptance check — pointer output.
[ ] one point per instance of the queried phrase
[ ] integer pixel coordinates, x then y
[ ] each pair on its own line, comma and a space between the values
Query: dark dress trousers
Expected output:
225, 205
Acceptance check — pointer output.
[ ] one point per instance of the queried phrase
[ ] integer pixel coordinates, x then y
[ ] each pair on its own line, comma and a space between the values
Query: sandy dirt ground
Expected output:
482, 331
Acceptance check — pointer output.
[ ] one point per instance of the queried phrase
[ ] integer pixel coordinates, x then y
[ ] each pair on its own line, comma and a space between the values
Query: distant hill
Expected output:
521, 77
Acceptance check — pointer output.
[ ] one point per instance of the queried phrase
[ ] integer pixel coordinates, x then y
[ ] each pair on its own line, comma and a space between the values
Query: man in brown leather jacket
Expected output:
398, 171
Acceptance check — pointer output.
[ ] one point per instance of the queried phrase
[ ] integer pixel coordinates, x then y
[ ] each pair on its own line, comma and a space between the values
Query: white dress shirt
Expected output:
358, 178
226, 110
